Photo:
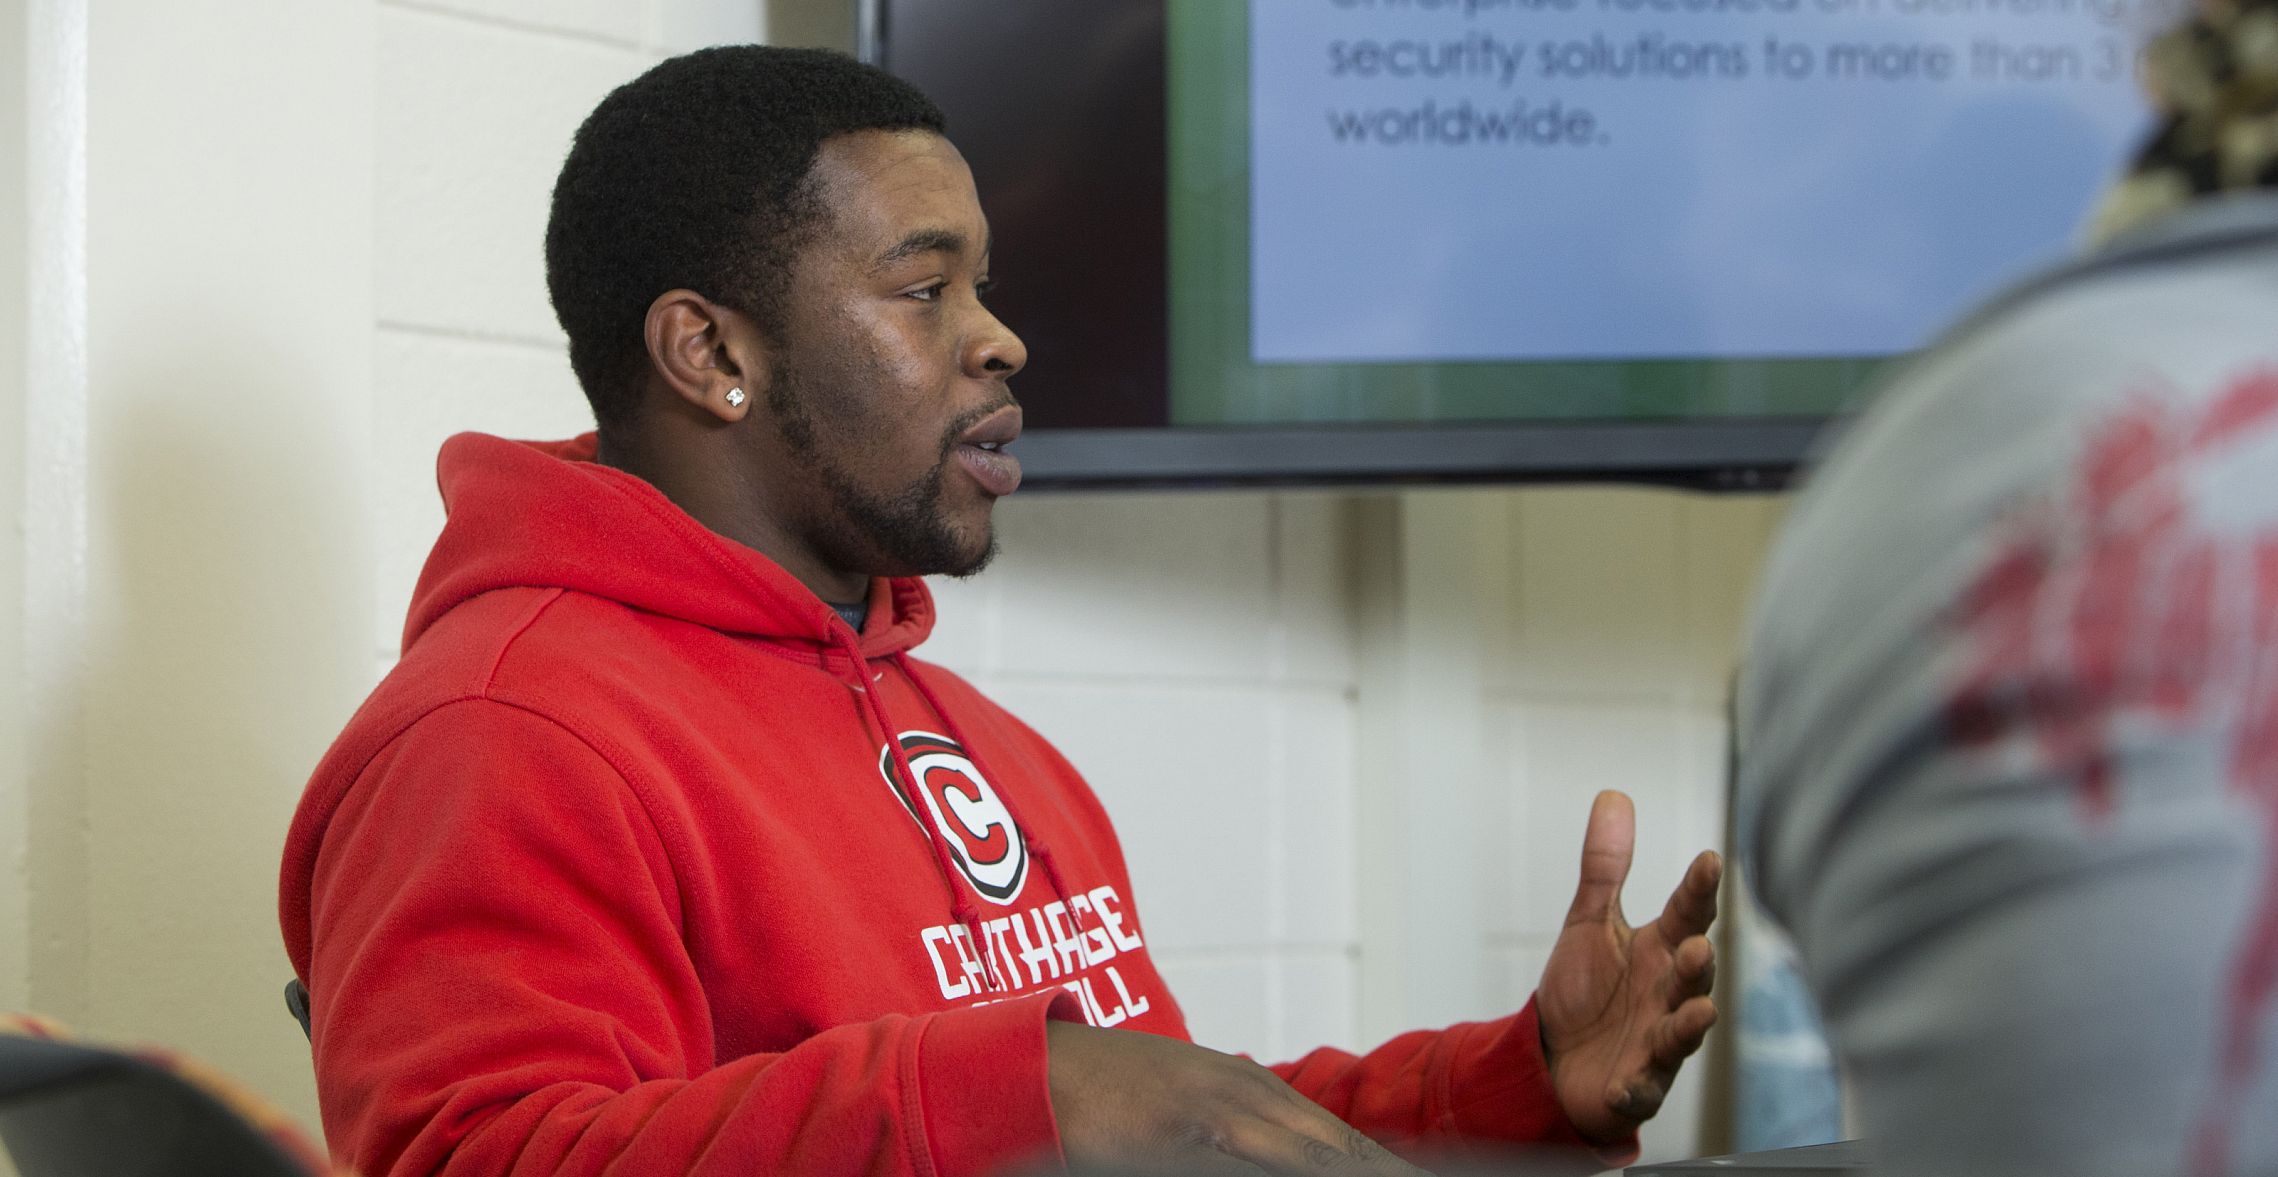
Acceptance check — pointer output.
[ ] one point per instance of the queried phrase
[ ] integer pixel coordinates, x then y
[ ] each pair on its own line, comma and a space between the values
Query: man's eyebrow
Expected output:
928, 241
922, 241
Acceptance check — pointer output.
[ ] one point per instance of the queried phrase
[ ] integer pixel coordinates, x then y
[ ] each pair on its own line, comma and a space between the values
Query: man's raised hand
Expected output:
1621, 1008
1139, 1103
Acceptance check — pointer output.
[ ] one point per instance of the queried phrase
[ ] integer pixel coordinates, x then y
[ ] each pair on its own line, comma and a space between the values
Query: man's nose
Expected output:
995, 350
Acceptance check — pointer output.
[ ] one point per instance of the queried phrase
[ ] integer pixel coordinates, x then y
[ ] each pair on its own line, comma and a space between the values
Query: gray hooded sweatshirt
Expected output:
2010, 724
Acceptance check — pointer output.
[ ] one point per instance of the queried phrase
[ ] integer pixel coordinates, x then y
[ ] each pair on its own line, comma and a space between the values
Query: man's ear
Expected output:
708, 355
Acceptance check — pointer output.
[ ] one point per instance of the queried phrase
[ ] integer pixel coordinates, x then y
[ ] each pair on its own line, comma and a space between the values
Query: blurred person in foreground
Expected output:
657, 853
2011, 698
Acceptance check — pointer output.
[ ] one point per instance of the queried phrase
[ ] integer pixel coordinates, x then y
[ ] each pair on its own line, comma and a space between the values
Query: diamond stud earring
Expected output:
735, 398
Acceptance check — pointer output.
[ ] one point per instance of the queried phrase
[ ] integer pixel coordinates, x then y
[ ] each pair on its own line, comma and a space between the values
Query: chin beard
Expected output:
907, 534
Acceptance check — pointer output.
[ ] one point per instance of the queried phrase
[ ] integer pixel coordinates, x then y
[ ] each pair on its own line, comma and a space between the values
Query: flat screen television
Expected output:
1322, 242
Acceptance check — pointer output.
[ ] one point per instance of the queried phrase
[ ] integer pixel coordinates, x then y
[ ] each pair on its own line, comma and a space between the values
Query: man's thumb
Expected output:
1606, 848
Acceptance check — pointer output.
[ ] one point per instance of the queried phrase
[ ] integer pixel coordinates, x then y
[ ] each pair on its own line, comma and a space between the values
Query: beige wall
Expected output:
190, 500
15, 912
1369, 724
226, 496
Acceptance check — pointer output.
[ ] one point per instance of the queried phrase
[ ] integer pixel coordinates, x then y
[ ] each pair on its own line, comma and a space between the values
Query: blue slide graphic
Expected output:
1497, 180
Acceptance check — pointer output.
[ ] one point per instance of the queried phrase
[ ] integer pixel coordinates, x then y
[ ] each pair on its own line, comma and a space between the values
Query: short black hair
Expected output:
695, 176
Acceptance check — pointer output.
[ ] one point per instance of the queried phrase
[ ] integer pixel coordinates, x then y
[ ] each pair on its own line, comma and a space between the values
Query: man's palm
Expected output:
1622, 1008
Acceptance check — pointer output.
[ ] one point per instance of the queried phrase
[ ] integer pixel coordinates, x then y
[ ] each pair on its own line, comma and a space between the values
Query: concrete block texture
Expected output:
1313, 589
1273, 1007
1317, 989
625, 23
473, 120
964, 624
1662, 756
427, 387
1721, 548
1228, 1000
678, 26
1598, 586
1184, 773
1159, 586
660, 28
1315, 798
1615, 592
1515, 968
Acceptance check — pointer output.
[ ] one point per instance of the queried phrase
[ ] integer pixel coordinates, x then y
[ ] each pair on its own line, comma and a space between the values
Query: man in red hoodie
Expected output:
658, 853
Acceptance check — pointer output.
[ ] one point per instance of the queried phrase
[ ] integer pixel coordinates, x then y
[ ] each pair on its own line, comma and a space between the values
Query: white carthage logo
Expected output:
983, 841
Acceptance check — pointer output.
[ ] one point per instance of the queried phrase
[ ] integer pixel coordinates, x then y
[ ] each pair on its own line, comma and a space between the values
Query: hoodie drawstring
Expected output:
1037, 849
961, 907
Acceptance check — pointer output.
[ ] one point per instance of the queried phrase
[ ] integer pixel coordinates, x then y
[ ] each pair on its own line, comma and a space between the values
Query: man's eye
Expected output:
982, 288
928, 293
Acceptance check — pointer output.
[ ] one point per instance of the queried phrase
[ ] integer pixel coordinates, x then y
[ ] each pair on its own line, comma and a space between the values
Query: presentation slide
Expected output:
1437, 181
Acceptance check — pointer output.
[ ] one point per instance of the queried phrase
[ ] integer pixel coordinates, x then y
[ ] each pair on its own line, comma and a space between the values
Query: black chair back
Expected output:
296, 1003
72, 1110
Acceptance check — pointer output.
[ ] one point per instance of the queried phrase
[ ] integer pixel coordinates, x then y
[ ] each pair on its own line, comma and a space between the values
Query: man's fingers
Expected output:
1203, 1159
1668, 1045
1637, 1101
1677, 1036
1314, 1141
1278, 1148
1693, 973
1692, 906
1606, 848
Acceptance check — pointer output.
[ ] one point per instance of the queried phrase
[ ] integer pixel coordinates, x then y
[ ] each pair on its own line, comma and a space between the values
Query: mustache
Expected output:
966, 421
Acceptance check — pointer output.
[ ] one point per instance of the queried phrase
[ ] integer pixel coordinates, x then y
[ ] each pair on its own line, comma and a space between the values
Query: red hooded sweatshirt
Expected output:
618, 873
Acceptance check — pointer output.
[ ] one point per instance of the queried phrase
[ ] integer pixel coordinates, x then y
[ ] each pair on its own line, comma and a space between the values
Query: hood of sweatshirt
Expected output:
546, 515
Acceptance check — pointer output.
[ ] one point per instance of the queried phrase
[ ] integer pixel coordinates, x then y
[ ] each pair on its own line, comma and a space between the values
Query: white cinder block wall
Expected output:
1613, 643
187, 539
15, 684
476, 101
